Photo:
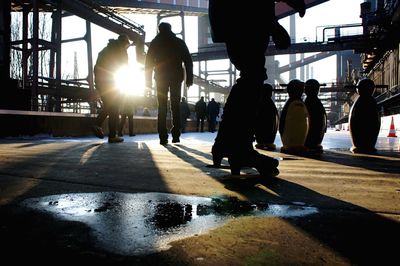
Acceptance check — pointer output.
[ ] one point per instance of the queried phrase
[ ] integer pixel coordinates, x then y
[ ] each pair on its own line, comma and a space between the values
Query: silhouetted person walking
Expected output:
201, 111
185, 113
165, 56
245, 28
110, 60
212, 114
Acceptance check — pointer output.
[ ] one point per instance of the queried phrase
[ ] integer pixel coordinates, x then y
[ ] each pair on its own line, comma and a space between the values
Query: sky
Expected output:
333, 12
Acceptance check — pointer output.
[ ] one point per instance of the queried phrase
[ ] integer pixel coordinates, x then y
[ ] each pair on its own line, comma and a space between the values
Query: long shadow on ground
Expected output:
361, 236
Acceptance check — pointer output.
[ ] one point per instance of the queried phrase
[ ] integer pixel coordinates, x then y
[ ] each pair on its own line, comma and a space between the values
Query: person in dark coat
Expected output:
165, 56
212, 114
245, 28
201, 112
109, 61
185, 113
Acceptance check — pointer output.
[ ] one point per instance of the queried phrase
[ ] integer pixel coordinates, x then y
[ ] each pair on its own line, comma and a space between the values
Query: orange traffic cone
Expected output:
392, 130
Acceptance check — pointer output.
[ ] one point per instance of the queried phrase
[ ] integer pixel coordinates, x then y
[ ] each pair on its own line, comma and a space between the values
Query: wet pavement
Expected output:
140, 203
144, 223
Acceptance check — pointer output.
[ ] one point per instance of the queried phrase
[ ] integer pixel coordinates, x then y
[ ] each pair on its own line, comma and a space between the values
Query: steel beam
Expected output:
105, 20
305, 61
358, 43
5, 33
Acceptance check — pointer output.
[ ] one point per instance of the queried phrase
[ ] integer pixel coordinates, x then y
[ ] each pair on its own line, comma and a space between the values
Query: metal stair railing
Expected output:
91, 11
107, 12
210, 85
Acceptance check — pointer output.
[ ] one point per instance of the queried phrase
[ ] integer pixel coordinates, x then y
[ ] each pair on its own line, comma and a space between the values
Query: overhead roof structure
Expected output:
102, 13
283, 10
189, 7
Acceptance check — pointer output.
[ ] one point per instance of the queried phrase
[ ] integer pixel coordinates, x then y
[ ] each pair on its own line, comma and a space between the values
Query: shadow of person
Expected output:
381, 162
80, 167
183, 152
358, 234
66, 168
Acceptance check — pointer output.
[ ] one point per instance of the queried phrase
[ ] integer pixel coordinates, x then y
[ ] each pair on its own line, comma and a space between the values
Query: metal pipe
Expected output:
339, 27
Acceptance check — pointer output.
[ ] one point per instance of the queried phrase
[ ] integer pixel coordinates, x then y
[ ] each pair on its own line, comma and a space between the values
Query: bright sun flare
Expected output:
130, 80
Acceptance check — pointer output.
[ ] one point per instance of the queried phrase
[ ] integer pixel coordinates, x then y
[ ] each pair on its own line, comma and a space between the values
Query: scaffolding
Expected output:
48, 90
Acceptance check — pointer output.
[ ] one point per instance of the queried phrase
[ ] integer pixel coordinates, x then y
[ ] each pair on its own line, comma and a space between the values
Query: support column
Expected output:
88, 39
182, 15
339, 69
25, 53
54, 103
302, 72
292, 57
35, 56
58, 56
5, 38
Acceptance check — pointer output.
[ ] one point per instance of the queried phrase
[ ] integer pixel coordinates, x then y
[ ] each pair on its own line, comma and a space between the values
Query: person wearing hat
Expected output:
109, 60
165, 57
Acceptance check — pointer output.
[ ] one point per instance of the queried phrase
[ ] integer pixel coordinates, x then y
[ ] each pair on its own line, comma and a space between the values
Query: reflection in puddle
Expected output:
144, 223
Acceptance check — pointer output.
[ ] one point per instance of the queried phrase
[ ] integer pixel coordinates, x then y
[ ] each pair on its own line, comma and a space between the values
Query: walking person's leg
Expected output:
183, 124
211, 124
121, 125
162, 97
197, 122
239, 111
202, 124
102, 88
113, 119
175, 93
130, 124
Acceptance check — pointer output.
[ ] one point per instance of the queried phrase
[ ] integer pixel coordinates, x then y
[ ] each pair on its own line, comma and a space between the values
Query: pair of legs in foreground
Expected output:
174, 89
236, 132
110, 99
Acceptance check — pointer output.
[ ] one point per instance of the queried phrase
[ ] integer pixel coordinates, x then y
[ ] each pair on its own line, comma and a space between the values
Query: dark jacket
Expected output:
184, 108
231, 19
165, 55
213, 109
201, 108
109, 60
234, 20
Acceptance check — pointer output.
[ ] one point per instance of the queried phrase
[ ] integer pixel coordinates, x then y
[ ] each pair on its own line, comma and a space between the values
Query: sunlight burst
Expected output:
130, 80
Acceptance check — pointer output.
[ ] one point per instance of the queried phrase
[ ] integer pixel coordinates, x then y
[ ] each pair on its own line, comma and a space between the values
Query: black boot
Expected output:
265, 165
236, 134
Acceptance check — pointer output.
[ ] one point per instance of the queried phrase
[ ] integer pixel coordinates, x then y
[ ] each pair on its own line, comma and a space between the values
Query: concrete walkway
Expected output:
357, 198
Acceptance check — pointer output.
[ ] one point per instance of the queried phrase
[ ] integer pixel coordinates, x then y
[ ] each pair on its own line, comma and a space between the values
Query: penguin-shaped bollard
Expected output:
364, 119
294, 120
317, 115
267, 120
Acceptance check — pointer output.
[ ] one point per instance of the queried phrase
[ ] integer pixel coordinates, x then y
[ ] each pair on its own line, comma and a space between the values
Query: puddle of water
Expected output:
144, 223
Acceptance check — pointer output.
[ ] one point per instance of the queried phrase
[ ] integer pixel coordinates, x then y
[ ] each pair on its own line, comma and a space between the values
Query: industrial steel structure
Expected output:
373, 53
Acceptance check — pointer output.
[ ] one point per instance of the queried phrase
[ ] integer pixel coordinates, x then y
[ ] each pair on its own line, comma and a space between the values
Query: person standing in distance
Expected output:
165, 57
185, 113
201, 111
212, 114
109, 61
